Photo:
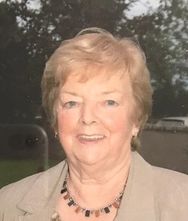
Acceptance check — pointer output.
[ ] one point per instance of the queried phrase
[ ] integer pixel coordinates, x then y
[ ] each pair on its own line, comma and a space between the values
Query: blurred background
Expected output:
30, 30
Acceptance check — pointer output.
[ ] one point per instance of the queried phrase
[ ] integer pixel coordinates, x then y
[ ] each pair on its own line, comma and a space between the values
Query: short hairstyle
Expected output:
97, 48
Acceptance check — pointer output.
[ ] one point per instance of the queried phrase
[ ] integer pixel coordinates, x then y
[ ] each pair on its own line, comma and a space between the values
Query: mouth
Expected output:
83, 138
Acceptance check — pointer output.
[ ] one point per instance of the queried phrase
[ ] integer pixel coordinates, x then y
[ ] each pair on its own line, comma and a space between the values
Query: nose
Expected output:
88, 114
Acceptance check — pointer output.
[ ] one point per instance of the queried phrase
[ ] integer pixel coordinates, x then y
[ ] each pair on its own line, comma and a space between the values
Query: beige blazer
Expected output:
152, 194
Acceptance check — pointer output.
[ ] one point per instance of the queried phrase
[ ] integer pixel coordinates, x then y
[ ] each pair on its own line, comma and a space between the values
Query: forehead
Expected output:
97, 83
85, 70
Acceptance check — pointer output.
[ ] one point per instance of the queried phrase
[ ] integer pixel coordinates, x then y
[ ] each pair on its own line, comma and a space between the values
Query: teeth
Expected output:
91, 137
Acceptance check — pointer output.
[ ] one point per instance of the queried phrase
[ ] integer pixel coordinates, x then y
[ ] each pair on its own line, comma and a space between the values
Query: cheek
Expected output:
119, 122
66, 122
114, 123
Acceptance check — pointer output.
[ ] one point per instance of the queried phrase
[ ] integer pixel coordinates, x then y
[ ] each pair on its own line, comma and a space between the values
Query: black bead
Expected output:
107, 210
70, 203
87, 213
63, 190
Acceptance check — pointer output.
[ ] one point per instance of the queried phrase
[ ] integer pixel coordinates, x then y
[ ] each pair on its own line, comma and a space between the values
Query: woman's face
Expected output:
96, 119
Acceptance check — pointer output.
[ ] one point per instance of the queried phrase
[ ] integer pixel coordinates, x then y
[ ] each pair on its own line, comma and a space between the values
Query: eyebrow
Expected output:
111, 92
70, 92
104, 92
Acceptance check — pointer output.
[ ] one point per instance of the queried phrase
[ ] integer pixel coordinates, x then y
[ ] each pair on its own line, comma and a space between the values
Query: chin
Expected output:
89, 160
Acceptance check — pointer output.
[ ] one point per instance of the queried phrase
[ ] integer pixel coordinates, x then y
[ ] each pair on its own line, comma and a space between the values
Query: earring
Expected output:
56, 134
135, 143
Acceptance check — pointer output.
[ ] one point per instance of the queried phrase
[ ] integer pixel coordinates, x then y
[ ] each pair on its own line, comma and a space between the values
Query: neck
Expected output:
86, 183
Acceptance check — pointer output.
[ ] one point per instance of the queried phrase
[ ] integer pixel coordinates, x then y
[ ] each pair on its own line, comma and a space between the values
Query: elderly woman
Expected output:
97, 96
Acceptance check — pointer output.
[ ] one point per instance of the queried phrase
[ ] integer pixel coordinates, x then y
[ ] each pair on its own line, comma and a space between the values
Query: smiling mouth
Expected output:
90, 138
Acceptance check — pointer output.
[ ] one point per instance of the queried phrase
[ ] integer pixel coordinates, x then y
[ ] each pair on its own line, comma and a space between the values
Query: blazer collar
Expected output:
138, 199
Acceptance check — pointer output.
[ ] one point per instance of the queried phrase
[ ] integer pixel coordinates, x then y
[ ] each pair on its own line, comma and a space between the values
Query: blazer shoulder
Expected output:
14, 192
165, 177
171, 192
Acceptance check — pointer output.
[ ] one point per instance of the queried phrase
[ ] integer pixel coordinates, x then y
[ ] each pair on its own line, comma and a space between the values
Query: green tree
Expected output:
13, 65
163, 35
29, 36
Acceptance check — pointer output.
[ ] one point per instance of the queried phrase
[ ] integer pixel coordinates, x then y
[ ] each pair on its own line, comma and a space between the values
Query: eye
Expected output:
70, 104
111, 103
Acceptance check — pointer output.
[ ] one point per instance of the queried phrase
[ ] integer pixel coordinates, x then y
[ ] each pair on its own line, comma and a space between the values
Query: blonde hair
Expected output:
97, 48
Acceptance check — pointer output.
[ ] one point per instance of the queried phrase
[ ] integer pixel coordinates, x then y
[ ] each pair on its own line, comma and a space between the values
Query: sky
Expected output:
142, 7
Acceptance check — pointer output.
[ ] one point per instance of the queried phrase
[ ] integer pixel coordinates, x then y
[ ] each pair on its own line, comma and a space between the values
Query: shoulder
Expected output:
168, 189
19, 188
171, 193
167, 180
14, 192
167, 174
164, 180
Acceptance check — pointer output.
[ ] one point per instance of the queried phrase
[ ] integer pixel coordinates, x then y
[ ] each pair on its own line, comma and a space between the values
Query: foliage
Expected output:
28, 36
163, 35
13, 57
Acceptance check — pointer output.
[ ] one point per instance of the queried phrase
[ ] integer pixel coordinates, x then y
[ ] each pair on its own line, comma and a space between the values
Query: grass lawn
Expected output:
13, 170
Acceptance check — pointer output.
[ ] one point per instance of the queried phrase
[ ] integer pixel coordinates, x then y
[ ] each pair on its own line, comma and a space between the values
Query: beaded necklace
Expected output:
86, 211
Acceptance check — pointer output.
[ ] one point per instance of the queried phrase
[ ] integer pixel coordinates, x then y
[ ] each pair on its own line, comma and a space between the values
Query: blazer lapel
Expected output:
42, 215
41, 198
138, 199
